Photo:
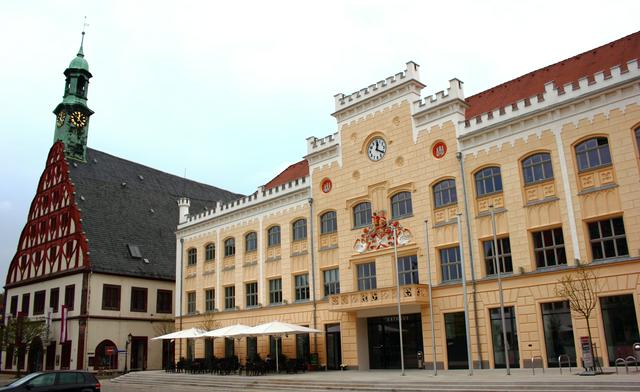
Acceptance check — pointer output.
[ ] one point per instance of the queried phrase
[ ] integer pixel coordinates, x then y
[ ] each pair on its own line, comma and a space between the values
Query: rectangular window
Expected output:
367, 276
230, 297
70, 296
110, 297
504, 256
38, 302
331, 281
14, 305
548, 247
208, 348
54, 299
620, 325
450, 264
275, 291
138, 299
26, 299
252, 294
408, 270
191, 302
191, 349
164, 301
209, 300
608, 239
302, 287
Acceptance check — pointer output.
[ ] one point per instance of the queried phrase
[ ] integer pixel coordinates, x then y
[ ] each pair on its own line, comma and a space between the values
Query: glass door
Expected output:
456, 341
334, 346
498, 339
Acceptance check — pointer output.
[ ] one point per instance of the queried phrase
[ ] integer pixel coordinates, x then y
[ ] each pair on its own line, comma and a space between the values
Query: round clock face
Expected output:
60, 118
78, 119
377, 148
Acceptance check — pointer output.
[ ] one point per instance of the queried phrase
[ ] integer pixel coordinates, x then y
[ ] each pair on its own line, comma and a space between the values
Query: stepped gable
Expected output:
293, 172
570, 70
123, 202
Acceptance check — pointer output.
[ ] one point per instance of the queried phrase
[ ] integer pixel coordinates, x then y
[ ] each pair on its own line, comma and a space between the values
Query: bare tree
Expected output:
208, 323
581, 289
18, 334
164, 327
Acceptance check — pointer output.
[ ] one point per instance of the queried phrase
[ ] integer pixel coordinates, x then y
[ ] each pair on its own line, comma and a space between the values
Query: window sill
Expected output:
302, 301
210, 261
538, 182
542, 201
229, 268
452, 282
210, 272
488, 212
330, 247
445, 223
548, 268
302, 253
597, 189
594, 168
402, 217
249, 263
111, 310
272, 259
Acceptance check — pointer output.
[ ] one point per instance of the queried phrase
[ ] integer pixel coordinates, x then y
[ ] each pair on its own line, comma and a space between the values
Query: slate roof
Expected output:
586, 64
124, 202
293, 172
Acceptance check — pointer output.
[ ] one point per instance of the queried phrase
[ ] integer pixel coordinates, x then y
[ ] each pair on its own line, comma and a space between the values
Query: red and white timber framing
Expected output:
52, 241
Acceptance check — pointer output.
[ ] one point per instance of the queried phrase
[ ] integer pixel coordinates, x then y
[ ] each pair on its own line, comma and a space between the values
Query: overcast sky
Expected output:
228, 91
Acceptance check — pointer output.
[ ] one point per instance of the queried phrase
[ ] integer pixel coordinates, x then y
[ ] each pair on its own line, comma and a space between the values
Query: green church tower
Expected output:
72, 114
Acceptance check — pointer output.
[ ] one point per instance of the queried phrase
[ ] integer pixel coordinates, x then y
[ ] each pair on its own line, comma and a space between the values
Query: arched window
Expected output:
192, 256
273, 236
638, 138
300, 230
251, 242
210, 252
444, 193
229, 247
328, 222
537, 168
488, 180
593, 153
362, 214
401, 205
106, 356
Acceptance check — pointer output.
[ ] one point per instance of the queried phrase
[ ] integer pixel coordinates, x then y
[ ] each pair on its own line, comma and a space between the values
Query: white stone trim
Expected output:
568, 193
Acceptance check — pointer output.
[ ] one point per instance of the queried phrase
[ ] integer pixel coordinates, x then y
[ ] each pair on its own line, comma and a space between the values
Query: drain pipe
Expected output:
473, 275
313, 274
180, 295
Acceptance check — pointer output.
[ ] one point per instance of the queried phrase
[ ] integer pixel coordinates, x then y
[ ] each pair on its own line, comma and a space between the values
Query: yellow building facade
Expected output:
557, 168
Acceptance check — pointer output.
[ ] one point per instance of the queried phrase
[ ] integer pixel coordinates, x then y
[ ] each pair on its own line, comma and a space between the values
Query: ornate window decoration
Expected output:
488, 180
362, 214
401, 205
536, 168
379, 234
593, 153
444, 193
251, 242
300, 230
328, 222
229, 247
273, 236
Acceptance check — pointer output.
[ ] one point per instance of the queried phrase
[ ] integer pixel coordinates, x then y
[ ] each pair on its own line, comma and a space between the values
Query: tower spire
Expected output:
84, 26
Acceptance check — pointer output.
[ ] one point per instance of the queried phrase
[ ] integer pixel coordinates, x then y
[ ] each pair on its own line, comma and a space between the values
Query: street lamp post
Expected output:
433, 336
497, 266
403, 241
126, 352
464, 297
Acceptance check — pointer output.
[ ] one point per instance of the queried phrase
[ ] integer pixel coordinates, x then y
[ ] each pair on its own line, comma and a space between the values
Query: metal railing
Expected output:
533, 363
568, 361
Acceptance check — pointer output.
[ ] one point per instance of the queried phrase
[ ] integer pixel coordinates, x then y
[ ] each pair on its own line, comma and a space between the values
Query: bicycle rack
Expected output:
533, 364
624, 362
568, 361
633, 359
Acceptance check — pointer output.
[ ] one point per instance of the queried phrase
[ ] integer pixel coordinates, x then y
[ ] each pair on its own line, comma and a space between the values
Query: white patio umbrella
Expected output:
228, 331
278, 328
184, 334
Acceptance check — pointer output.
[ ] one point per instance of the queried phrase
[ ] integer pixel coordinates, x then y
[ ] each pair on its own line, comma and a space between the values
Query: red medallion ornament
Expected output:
439, 149
326, 185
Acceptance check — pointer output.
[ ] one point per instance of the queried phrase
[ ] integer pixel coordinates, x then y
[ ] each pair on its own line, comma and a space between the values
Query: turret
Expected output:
183, 209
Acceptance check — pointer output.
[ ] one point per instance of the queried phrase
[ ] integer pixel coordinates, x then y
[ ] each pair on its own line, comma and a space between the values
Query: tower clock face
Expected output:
78, 119
60, 118
377, 148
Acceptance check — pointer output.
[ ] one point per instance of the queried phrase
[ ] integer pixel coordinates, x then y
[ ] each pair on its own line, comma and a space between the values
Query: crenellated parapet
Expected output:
315, 144
553, 96
321, 151
437, 109
261, 196
386, 91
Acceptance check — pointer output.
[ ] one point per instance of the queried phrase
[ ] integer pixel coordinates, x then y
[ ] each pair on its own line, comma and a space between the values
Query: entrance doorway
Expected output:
334, 346
498, 338
168, 353
456, 341
65, 357
620, 326
35, 355
138, 353
51, 356
384, 341
106, 356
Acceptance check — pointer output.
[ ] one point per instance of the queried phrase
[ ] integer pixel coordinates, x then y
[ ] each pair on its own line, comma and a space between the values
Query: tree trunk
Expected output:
591, 343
